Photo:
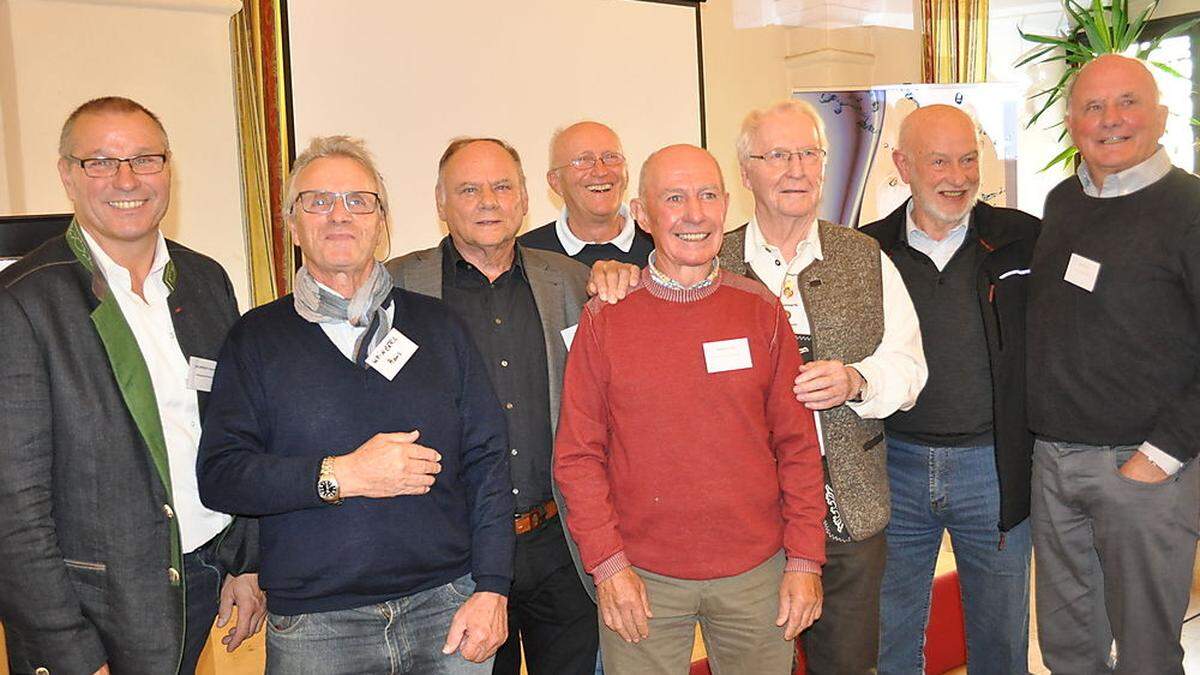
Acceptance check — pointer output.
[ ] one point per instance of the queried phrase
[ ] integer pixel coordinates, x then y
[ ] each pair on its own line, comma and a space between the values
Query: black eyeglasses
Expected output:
104, 167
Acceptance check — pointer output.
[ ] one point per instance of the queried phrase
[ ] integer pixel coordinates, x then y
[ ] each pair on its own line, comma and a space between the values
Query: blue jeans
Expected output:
956, 489
203, 576
404, 635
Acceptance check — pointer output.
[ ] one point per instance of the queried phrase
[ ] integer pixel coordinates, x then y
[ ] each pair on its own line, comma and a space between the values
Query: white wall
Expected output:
1036, 146
743, 69
56, 54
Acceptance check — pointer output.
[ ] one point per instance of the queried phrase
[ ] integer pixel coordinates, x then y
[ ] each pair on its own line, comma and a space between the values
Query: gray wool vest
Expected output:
843, 298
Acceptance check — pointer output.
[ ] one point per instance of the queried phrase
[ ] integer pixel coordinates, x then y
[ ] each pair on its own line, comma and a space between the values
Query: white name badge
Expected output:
568, 335
725, 355
200, 373
391, 354
1082, 272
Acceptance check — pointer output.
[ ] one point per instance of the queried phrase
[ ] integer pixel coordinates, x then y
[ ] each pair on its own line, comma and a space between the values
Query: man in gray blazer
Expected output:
106, 352
521, 306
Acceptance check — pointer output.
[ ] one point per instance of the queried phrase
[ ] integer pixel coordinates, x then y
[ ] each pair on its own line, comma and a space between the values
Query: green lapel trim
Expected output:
129, 368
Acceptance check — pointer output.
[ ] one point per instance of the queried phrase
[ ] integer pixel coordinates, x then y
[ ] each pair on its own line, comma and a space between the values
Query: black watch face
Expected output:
327, 490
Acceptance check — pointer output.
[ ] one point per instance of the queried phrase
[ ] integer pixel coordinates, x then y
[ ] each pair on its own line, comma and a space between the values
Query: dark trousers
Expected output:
845, 640
203, 576
549, 612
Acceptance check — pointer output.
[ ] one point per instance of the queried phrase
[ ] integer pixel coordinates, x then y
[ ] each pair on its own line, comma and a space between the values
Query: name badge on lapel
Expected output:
726, 355
391, 354
200, 373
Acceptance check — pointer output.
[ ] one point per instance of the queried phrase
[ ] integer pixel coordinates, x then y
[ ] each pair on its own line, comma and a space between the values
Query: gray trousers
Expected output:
1113, 559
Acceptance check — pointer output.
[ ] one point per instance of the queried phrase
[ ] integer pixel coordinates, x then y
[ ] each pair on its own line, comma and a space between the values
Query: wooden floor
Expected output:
251, 657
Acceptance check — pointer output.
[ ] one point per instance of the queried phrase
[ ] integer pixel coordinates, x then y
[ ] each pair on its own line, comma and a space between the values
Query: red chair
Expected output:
945, 636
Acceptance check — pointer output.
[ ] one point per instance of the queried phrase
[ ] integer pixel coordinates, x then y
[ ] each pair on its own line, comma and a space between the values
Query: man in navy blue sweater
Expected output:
379, 553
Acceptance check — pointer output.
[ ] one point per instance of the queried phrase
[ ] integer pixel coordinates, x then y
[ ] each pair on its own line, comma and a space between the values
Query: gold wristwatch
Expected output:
327, 485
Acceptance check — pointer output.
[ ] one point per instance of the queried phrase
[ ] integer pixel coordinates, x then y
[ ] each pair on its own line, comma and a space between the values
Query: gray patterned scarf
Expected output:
319, 305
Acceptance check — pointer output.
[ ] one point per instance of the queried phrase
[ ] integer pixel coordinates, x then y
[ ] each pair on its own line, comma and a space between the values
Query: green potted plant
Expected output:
1096, 30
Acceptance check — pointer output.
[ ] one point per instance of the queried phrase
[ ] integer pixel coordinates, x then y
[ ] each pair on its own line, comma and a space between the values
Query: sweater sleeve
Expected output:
488, 482
795, 444
234, 471
581, 452
1177, 429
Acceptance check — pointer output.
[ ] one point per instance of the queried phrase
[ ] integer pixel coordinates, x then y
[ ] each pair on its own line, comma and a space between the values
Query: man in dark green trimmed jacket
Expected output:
109, 563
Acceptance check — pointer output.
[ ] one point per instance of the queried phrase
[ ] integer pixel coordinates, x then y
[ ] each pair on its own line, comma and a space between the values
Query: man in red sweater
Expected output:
691, 473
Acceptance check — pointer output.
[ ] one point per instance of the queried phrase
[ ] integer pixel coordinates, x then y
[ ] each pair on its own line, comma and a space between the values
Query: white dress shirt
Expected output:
573, 245
1120, 184
940, 252
895, 372
178, 408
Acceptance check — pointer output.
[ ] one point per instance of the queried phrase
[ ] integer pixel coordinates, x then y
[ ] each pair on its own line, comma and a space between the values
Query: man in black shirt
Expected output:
588, 170
1114, 386
520, 306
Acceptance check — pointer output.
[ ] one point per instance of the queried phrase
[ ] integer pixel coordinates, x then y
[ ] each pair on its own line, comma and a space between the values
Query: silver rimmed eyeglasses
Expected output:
779, 157
320, 202
587, 161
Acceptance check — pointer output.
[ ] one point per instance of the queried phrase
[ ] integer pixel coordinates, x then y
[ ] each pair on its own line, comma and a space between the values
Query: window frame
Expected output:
1157, 27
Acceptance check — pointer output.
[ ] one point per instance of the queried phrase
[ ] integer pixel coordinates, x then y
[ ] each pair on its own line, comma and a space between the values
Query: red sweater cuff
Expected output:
803, 565
610, 566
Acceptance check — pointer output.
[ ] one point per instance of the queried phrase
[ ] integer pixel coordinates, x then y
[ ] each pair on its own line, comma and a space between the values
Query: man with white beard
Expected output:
959, 460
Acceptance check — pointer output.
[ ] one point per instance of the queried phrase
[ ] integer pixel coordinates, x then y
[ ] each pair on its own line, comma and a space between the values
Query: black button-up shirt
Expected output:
503, 320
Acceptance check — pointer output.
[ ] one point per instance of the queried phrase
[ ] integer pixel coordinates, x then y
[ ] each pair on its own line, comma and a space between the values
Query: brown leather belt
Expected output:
535, 517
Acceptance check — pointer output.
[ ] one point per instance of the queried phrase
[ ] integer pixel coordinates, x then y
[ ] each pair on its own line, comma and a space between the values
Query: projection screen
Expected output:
409, 76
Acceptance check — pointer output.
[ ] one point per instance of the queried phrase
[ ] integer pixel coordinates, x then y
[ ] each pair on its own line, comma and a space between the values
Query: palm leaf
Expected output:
1099, 27
1062, 158
1120, 25
1135, 29
1166, 69
1035, 55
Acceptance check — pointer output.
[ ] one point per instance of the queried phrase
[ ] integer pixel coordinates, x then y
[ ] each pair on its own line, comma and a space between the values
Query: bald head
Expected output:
587, 169
681, 203
671, 159
926, 123
1132, 71
1114, 115
938, 156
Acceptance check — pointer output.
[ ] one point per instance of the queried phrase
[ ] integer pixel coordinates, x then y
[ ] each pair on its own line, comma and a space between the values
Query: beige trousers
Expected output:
737, 621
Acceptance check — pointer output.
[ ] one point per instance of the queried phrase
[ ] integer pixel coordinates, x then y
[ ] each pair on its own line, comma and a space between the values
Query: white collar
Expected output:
573, 245
114, 272
911, 225
755, 242
1130, 180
